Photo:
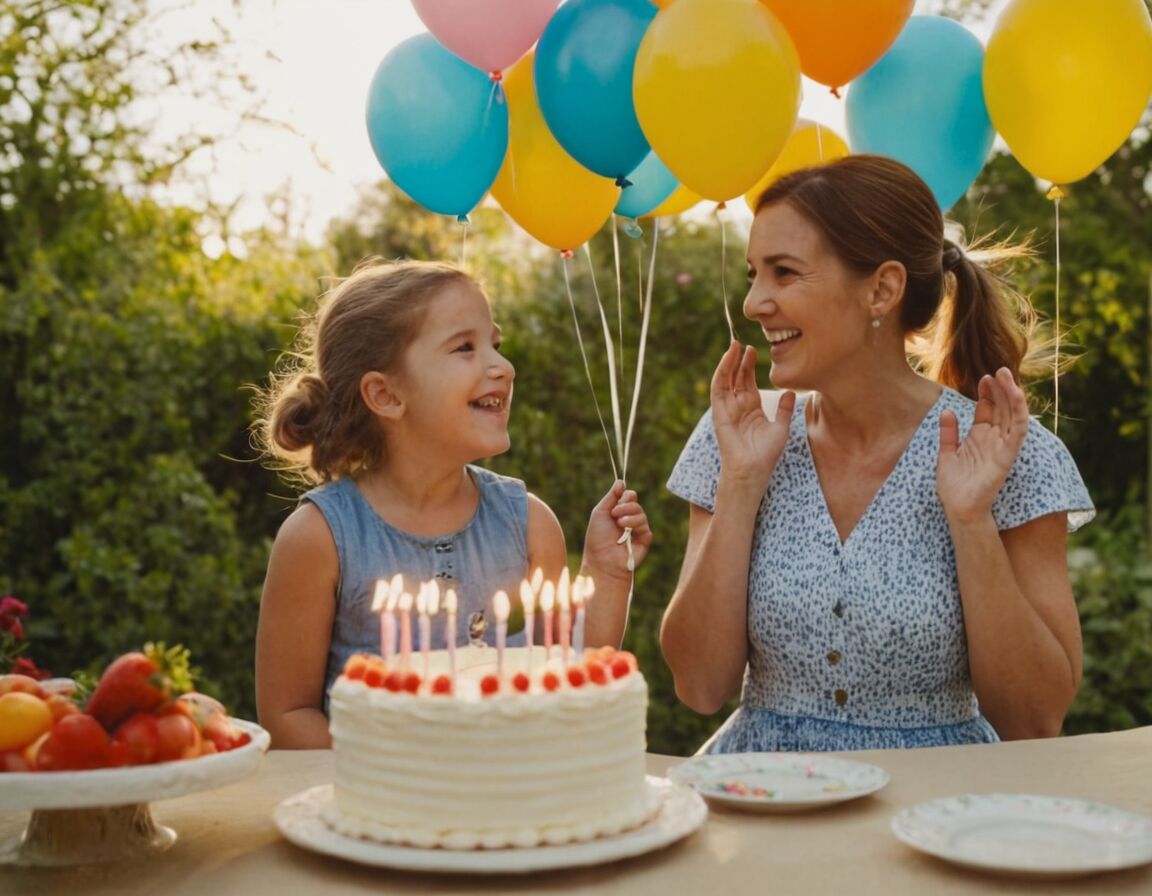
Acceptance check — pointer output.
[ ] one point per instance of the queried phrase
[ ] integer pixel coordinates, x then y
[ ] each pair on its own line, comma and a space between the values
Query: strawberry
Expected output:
139, 682
442, 685
520, 682
489, 684
577, 677
598, 672
550, 680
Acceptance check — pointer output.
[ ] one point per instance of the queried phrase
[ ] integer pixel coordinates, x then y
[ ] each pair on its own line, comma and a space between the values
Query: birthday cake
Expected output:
485, 750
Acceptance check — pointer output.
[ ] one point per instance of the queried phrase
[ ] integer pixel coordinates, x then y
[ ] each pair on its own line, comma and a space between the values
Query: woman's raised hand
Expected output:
750, 443
969, 474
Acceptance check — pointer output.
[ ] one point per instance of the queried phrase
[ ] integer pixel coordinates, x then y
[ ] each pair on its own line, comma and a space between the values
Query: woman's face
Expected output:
813, 310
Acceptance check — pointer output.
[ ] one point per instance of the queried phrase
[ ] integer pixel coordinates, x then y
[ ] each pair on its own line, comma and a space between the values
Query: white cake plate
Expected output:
300, 819
102, 815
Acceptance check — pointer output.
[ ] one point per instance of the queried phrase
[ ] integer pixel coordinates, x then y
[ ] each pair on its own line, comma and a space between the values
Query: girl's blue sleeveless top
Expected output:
489, 553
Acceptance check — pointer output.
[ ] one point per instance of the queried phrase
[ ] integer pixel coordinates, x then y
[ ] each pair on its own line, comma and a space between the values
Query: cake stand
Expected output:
102, 815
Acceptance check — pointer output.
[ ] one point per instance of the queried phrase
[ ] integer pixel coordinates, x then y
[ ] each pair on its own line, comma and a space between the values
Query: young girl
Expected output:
400, 388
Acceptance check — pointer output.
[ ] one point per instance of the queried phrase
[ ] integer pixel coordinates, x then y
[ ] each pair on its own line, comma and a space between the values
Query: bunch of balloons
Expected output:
568, 112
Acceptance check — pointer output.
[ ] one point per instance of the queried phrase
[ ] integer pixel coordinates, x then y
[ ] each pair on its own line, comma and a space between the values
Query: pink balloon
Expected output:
489, 34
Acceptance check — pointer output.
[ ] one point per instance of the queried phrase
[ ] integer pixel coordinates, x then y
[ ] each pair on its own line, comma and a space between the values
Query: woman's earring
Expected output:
875, 323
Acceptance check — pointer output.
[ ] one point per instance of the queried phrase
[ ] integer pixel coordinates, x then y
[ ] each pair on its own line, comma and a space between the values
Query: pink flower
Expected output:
25, 666
683, 278
9, 606
12, 625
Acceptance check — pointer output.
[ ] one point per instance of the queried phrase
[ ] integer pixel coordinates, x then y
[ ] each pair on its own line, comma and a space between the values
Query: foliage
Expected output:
1111, 567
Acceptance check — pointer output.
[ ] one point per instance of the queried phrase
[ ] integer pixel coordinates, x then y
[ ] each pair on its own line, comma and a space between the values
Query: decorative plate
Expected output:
134, 784
300, 819
778, 782
1031, 836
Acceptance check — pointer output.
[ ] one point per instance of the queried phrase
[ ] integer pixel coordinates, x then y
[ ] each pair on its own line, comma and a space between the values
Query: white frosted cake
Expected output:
542, 753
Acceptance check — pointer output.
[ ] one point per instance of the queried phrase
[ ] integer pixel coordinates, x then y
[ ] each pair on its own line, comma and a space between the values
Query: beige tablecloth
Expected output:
228, 845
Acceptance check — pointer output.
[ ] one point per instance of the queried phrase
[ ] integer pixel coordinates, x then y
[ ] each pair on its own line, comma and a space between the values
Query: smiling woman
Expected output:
882, 562
398, 390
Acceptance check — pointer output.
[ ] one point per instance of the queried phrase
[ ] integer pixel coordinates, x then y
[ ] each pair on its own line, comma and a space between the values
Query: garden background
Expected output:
133, 508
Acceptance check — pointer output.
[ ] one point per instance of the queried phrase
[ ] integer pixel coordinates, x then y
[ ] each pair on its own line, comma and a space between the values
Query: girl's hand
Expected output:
750, 443
970, 474
606, 546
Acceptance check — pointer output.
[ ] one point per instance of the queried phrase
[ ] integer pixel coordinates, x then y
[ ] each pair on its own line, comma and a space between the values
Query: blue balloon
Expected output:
583, 71
438, 126
922, 104
649, 184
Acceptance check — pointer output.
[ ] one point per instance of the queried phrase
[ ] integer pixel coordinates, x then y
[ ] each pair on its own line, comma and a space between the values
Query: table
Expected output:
228, 845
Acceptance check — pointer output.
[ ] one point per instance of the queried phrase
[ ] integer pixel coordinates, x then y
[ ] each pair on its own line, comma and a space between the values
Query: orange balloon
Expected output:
810, 144
838, 39
542, 188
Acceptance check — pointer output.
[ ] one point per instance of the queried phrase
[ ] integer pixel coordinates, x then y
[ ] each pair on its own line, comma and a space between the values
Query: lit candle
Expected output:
537, 580
500, 607
528, 601
547, 599
578, 598
387, 620
450, 631
405, 629
563, 598
425, 626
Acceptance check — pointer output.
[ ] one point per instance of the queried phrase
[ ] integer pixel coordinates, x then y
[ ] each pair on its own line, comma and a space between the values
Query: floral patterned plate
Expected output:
778, 782
1027, 836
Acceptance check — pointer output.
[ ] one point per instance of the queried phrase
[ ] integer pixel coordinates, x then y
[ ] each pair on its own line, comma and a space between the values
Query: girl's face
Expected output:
455, 384
813, 310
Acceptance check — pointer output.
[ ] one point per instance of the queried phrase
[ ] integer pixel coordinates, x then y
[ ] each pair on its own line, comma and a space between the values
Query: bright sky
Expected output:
313, 60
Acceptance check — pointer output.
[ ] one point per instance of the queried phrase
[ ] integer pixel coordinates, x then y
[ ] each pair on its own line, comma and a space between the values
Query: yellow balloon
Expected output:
810, 144
681, 200
1066, 81
542, 188
716, 87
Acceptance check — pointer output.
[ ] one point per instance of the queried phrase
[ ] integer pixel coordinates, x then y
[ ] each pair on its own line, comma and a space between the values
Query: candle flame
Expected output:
500, 606
405, 602
380, 596
433, 597
422, 599
547, 596
578, 592
563, 596
537, 579
527, 597
450, 601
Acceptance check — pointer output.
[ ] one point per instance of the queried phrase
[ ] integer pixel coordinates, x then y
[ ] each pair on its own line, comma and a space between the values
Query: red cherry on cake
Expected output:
442, 685
356, 666
577, 677
394, 681
598, 672
411, 682
520, 682
489, 684
375, 675
550, 681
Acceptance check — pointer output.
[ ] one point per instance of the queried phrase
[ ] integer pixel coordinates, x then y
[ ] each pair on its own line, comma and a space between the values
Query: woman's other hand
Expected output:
970, 474
750, 443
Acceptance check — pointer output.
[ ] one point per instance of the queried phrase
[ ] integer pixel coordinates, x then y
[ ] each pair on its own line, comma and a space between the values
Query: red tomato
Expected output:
178, 738
141, 738
75, 741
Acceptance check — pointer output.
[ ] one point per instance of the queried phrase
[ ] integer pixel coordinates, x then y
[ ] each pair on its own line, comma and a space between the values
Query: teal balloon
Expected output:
583, 72
922, 104
650, 183
438, 126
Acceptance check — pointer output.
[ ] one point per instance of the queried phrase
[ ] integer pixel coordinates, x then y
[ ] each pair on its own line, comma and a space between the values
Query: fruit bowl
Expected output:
102, 814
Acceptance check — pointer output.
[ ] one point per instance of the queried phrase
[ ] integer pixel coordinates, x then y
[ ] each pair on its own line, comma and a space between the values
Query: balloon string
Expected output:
723, 279
619, 293
463, 242
819, 142
1056, 302
643, 344
587, 367
610, 354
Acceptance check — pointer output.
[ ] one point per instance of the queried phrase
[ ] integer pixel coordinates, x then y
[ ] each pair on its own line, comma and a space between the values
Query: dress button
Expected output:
833, 657
841, 696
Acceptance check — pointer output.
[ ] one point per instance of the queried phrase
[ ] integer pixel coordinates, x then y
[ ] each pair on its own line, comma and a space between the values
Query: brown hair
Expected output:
962, 320
311, 420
